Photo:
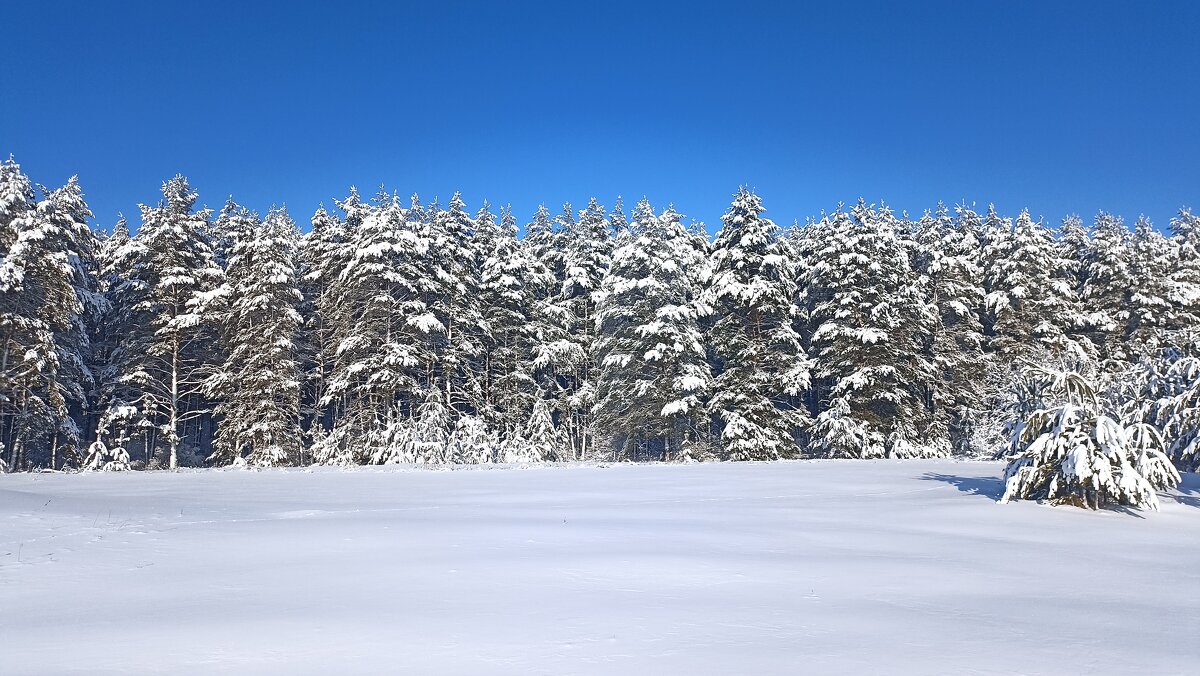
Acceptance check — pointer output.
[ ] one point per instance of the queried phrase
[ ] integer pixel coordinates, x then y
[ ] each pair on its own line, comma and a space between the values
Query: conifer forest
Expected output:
386, 329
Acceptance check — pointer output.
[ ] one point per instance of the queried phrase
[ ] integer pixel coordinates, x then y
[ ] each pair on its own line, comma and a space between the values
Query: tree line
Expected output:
396, 331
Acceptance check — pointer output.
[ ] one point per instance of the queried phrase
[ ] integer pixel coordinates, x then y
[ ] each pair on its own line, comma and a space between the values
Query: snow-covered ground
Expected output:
778, 568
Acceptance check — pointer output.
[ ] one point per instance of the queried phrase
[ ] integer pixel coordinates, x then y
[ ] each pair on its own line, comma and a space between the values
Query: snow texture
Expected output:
828, 567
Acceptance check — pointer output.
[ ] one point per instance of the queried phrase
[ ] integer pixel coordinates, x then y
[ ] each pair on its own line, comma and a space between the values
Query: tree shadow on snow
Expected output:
986, 486
1188, 492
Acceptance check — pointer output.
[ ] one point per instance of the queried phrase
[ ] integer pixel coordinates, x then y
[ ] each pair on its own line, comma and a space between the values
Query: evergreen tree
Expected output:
759, 365
1148, 308
513, 282
1105, 286
45, 290
539, 441
176, 277
949, 258
1071, 450
653, 375
455, 265
258, 386
585, 249
1185, 273
1031, 303
873, 341
382, 330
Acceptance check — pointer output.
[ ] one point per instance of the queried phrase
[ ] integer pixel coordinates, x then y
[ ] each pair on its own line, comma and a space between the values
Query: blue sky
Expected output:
1056, 106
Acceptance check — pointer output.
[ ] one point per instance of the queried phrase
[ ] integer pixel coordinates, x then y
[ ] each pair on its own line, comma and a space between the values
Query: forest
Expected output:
395, 331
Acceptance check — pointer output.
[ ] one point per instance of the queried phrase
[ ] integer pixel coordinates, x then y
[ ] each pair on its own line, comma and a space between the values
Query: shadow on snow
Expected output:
990, 487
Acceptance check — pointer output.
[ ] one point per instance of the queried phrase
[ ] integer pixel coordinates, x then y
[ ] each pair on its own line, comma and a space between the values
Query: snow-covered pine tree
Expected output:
473, 441
323, 252
67, 234
114, 430
873, 342
177, 277
569, 355
381, 329
223, 231
1104, 266
121, 337
1031, 304
26, 341
1168, 397
429, 438
760, 367
512, 284
653, 375
258, 385
1148, 308
45, 251
1070, 450
1185, 272
454, 273
539, 441
949, 258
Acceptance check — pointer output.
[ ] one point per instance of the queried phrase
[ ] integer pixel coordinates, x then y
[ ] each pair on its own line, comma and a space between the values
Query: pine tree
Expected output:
1168, 397
381, 328
949, 258
473, 441
174, 277
323, 253
1185, 272
580, 258
513, 283
1070, 450
67, 234
1148, 308
45, 289
1030, 302
653, 374
454, 273
1105, 285
258, 386
873, 338
539, 441
760, 367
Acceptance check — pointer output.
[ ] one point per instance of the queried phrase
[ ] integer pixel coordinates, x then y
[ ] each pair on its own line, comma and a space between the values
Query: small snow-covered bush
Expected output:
472, 442
1071, 451
104, 459
108, 452
539, 441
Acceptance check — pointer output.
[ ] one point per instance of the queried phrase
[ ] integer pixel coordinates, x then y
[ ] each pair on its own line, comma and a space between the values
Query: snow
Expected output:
828, 567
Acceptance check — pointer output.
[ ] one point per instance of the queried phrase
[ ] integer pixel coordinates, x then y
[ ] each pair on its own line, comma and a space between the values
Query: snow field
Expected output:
828, 567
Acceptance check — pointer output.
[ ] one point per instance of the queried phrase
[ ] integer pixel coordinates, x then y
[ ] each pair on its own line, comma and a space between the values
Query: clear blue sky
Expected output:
1055, 106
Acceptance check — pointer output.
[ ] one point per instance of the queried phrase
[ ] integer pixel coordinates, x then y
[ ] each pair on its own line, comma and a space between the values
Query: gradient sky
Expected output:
1056, 106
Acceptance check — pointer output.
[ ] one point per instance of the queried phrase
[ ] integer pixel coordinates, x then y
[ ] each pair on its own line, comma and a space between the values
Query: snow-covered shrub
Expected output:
836, 434
104, 459
116, 426
539, 441
1071, 451
472, 442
